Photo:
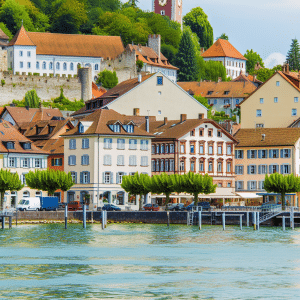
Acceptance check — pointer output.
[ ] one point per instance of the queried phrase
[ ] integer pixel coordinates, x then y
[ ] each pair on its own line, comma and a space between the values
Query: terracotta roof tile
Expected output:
100, 119
218, 89
54, 146
97, 92
273, 137
21, 38
222, 48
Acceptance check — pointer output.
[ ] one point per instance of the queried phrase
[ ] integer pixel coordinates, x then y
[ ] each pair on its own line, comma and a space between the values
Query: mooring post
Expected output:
241, 222
247, 218
16, 217
257, 221
3, 222
292, 218
10, 222
102, 217
200, 220
283, 223
84, 216
66, 216
223, 220
105, 218
254, 220
168, 218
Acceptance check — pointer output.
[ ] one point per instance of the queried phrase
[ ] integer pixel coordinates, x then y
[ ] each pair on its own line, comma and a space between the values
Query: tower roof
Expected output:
21, 38
222, 48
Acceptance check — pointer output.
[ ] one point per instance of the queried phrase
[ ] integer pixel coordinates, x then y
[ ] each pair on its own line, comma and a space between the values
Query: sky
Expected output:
266, 26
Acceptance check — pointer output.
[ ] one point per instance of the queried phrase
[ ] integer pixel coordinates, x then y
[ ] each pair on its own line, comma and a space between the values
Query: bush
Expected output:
36, 74
2, 82
51, 75
29, 73
107, 79
17, 73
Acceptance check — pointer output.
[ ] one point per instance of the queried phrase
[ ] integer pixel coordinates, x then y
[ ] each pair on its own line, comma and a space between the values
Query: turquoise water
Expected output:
148, 262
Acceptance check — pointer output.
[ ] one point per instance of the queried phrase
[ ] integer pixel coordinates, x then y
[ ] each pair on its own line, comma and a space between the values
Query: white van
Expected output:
29, 203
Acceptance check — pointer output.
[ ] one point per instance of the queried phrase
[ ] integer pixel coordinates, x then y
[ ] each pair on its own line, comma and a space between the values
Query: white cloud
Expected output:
274, 59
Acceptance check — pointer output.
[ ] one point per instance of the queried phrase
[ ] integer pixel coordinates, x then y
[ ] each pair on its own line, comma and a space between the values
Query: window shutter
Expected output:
277, 168
289, 153
52, 162
259, 169
289, 169
103, 177
44, 163
17, 162
248, 169
270, 168
117, 178
281, 153
236, 169
242, 170
88, 177
255, 169
87, 143
109, 159
82, 160
255, 153
81, 177
75, 177
281, 169
235, 153
111, 177
259, 154
270, 153
248, 154
5, 162
69, 160
248, 185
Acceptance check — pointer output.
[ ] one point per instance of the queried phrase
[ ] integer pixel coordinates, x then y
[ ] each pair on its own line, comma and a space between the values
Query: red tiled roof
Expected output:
222, 48
54, 146
21, 38
97, 92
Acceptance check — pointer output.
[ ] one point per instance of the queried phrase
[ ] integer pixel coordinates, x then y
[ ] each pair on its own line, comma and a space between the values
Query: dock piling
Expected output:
241, 222
283, 223
247, 218
10, 222
200, 220
66, 216
223, 220
3, 222
84, 216
103, 219
168, 217
292, 218
254, 220
257, 221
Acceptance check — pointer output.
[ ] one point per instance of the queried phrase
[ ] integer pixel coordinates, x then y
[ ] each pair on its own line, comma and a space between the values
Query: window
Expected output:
261, 100
157, 165
274, 153
25, 162
252, 185
162, 12
65, 66
215, 101
285, 153
107, 143
220, 167
167, 147
107, 177
85, 177
294, 112
74, 177
261, 185
166, 165
144, 145
228, 167
56, 162
201, 131
20, 53
28, 65
171, 148
157, 149
85, 143
239, 170
132, 144
153, 149
28, 53
72, 144
277, 83
192, 148
10, 145
12, 162
239, 185
50, 66
252, 169
172, 165
159, 80
192, 133
210, 166
285, 169
296, 99
239, 154
201, 148
192, 166
37, 65
120, 160
144, 161
260, 125
220, 150
121, 144
201, 166
182, 148
251, 154
132, 160
262, 153
44, 65
72, 160
57, 66
96, 67
71, 66
210, 132
159, 112
258, 112
229, 150
273, 169
21, 65
37, 162
210, 149
120, 177
182, 166
153, 164
262, 169
219, 133
162, 148
107, 160
275, 99
85, 160
23, 178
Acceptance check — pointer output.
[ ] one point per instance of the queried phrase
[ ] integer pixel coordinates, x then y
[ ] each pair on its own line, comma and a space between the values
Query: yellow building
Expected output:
274, 104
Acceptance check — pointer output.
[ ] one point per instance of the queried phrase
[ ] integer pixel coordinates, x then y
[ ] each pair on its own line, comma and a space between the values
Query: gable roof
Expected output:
273, 137
70, 44
222, 48
8, 133
100, 119
54, 147
218, 89
175, 129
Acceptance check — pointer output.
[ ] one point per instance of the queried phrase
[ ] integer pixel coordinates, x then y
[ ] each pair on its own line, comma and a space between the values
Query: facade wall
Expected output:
156, 100
97, 168
273, 114
52, 165
172, 74
219, 103
3, 60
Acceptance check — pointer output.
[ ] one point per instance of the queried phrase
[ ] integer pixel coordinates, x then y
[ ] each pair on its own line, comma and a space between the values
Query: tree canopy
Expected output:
293, 56
252, 59
223, 36
32, 100
107, 79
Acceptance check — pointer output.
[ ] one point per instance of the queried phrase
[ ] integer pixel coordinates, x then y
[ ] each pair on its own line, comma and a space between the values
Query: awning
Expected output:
249, 195
274, 194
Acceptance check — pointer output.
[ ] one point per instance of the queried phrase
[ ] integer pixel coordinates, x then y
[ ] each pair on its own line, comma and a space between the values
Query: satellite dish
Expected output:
213, 112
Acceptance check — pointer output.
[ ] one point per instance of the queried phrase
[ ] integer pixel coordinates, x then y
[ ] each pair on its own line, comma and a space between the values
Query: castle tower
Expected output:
170, 8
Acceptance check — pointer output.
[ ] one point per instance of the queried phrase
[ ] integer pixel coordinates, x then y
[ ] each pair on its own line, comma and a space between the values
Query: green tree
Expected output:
223, 36
293, 56
252, 59
169, 52
32, 100
105, 5
6, 30
196, 184
136, 184
202, 100
107, 79
13, 14
8, 182
139, 65
186, 59
213, 70
67, 16
198, 22
264, 74
282, 184
49, 180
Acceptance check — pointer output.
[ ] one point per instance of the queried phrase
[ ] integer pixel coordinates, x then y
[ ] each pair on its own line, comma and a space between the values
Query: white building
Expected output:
60, 54
103, 148
224, 52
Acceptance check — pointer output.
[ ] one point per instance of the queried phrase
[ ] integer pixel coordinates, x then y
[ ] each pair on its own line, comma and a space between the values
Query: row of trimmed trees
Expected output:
191, 183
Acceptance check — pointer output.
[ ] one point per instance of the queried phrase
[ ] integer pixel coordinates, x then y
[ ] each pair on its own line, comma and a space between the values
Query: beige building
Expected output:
266, 151
150, 95
19, 155
99, 151
274, 104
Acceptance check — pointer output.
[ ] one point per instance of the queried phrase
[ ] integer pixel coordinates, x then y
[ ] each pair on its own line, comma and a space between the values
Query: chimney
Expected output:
182, 118
263, 137
140, 78
254, 77
85, 78
165, 120
287, 68
147, 123
154, 42
200, 116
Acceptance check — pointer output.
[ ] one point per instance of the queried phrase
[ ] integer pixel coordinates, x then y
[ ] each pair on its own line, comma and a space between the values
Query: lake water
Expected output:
138, 261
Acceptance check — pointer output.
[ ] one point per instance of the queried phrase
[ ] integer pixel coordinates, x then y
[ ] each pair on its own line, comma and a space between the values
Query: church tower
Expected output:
170, 8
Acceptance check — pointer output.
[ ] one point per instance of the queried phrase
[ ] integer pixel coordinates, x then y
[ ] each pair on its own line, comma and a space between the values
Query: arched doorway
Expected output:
106, 197
26, 194
82, 196
121, 198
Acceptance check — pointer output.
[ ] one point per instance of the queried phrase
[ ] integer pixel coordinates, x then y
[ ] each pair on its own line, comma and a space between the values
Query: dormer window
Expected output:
38, 129
26, 146
50, 129
117, 128
10, 145
209, 92
226, 93
83, 126
88, 106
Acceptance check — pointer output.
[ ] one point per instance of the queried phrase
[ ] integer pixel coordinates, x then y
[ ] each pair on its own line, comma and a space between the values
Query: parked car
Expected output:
29, 203
74, 205
170, 206
179, 207
151, 207
205, 205
111, 207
